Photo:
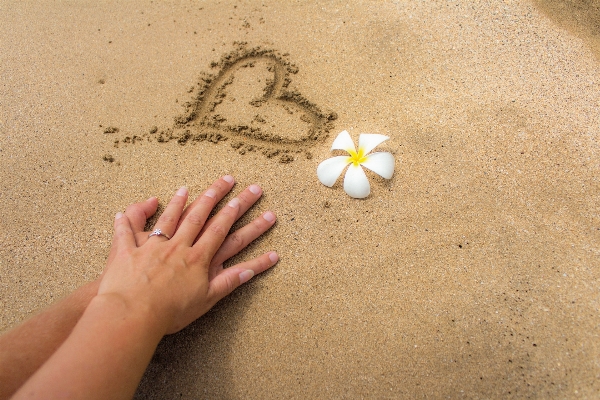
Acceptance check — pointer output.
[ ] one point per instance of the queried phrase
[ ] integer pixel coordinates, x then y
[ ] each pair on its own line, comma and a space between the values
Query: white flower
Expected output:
356, 183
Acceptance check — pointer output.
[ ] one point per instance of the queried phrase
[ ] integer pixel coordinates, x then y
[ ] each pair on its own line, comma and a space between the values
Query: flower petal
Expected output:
343, 141
356, 183
368, 141
380, 163
331, 169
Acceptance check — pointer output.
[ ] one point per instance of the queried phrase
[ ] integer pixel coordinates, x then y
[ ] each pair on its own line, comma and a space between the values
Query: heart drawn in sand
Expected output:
248, 103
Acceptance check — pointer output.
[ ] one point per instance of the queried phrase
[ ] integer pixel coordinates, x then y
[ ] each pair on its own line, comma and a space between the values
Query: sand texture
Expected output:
474, 272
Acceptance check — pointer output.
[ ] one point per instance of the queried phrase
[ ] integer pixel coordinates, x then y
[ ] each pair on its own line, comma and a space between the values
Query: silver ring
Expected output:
158, 232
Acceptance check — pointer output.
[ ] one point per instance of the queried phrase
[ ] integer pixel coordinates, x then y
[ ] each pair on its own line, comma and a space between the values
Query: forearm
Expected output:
104, 357
26, 347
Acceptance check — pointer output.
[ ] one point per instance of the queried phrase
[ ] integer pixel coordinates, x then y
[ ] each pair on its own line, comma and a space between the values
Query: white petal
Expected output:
331, 169
380, 163
343, 141
368, 141
356, 183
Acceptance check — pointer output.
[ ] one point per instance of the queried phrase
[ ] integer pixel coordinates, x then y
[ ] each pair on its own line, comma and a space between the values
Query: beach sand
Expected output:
474, 272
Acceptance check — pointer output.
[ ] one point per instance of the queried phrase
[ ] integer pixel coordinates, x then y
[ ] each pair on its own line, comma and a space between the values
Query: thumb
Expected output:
123, 236
138, 214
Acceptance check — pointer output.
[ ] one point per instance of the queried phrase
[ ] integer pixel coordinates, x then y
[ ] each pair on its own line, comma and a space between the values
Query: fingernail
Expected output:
228, 178
211, 193
234, 203
269, 216
182, 191
246, 275
151, 198
119, 215
273, 257
255, 189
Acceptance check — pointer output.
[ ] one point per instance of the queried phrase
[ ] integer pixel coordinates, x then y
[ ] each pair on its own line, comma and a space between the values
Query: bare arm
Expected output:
25, 348
104, 357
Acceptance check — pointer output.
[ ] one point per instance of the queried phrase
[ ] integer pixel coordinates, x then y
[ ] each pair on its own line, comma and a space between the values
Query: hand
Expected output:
182, 278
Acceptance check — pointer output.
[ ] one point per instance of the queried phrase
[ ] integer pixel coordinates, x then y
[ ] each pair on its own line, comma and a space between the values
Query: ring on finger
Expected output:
158, 232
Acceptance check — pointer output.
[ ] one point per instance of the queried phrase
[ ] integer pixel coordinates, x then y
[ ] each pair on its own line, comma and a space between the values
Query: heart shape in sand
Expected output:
249, 102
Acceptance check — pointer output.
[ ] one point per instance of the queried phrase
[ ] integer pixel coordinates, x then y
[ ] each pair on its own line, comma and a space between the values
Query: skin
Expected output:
98, 341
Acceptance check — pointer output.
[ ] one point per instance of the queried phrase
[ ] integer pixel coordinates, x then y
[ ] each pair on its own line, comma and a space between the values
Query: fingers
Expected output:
208, 244
239, 239
194, 217
228, 280
138, 214
123, 236
247, 199
168, 220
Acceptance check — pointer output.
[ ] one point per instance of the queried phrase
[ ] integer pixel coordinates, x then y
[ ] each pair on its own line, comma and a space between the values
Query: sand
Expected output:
474, 272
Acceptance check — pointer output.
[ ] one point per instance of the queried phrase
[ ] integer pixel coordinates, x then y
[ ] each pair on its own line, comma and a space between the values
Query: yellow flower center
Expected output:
357, 158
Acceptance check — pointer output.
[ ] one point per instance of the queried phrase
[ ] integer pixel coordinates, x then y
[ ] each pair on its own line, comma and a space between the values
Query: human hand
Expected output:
182, 278
139, 213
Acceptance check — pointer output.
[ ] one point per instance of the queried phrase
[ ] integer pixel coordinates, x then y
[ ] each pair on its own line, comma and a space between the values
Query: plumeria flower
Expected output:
356, 183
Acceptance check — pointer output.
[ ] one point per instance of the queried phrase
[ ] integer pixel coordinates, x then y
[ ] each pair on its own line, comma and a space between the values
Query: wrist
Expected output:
84, 294
140, 315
